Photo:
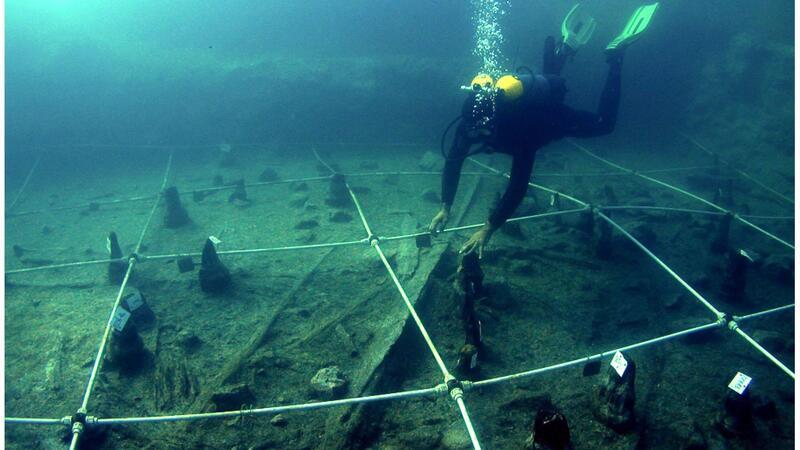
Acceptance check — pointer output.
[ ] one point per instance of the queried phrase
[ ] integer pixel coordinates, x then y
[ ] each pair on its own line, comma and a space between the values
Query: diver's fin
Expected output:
636, 25
577, 28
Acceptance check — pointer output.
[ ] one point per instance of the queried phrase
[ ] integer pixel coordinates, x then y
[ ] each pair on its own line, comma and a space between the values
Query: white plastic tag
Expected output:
473, 362
135, 301
120, 318
739, 383
480, 331
552, 199
214, 240
746, 255
619, 363
108, 245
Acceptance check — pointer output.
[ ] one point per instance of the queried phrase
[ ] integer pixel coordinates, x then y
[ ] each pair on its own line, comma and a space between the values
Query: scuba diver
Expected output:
521, 113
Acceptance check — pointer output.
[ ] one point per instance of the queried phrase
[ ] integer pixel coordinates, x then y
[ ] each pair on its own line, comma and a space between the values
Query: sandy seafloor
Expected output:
289, 314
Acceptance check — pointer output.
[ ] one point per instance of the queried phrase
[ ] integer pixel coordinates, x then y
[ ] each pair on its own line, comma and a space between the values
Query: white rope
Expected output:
763, 313
735, 327
751, 216
663, 265
61, 266
588, 359
131, 263
24, 183
537, 186
660, 208
684, 192
277, 409
740, 172
33, 421
470, 430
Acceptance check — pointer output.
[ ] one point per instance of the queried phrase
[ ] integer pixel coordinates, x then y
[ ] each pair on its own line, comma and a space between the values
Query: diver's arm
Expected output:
452, 166
521, 168
586, 124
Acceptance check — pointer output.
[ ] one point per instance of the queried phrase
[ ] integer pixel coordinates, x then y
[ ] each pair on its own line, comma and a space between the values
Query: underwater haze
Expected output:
250, 224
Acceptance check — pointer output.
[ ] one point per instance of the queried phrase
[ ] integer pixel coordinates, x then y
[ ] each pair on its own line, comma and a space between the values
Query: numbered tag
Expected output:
214, 240
108, 245
619, 363
134, 301
746, 255
473, 362
739, 383
120, 319
552, 199
480, 332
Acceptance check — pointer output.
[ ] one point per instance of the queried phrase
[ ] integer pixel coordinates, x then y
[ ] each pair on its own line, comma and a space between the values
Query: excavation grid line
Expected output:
719, 315
375, 242
24, 183
437, 390
98, 362
740, 172
684, 192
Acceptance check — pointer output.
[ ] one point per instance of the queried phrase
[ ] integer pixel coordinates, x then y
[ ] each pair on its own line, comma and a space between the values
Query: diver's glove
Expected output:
478, 240
440, 219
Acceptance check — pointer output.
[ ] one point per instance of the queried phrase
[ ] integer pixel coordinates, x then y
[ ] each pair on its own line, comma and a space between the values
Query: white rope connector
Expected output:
456, 393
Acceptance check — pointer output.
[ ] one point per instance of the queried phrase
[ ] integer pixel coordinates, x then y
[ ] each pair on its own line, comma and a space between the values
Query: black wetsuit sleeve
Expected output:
521, 168
452, 165
587, 124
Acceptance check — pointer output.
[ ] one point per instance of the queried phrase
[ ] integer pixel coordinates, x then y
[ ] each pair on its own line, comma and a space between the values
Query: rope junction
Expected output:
450, 385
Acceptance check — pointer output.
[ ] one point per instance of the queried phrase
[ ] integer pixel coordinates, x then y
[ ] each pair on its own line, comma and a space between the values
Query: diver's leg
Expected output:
609, 99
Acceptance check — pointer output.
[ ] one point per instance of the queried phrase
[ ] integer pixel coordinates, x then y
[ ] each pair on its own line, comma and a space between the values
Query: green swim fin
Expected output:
636, 25
577, 27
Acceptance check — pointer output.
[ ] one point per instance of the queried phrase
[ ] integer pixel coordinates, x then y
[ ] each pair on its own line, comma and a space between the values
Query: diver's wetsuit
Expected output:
523, 127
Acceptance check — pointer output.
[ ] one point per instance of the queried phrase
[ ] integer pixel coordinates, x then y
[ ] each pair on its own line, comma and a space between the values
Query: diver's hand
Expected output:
440, 220
478, 241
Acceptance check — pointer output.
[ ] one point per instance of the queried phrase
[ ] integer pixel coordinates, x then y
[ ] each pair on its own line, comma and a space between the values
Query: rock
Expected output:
307, 237
771, 340
513, 230
431, 161
233, 398
673, 301
329, 383
340, 217
189, 341
780, 268
306, 224
298, 200
430, 195
299, 187
764, 408
268, 174
643, 233
279, 420
692, 437
455, 437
